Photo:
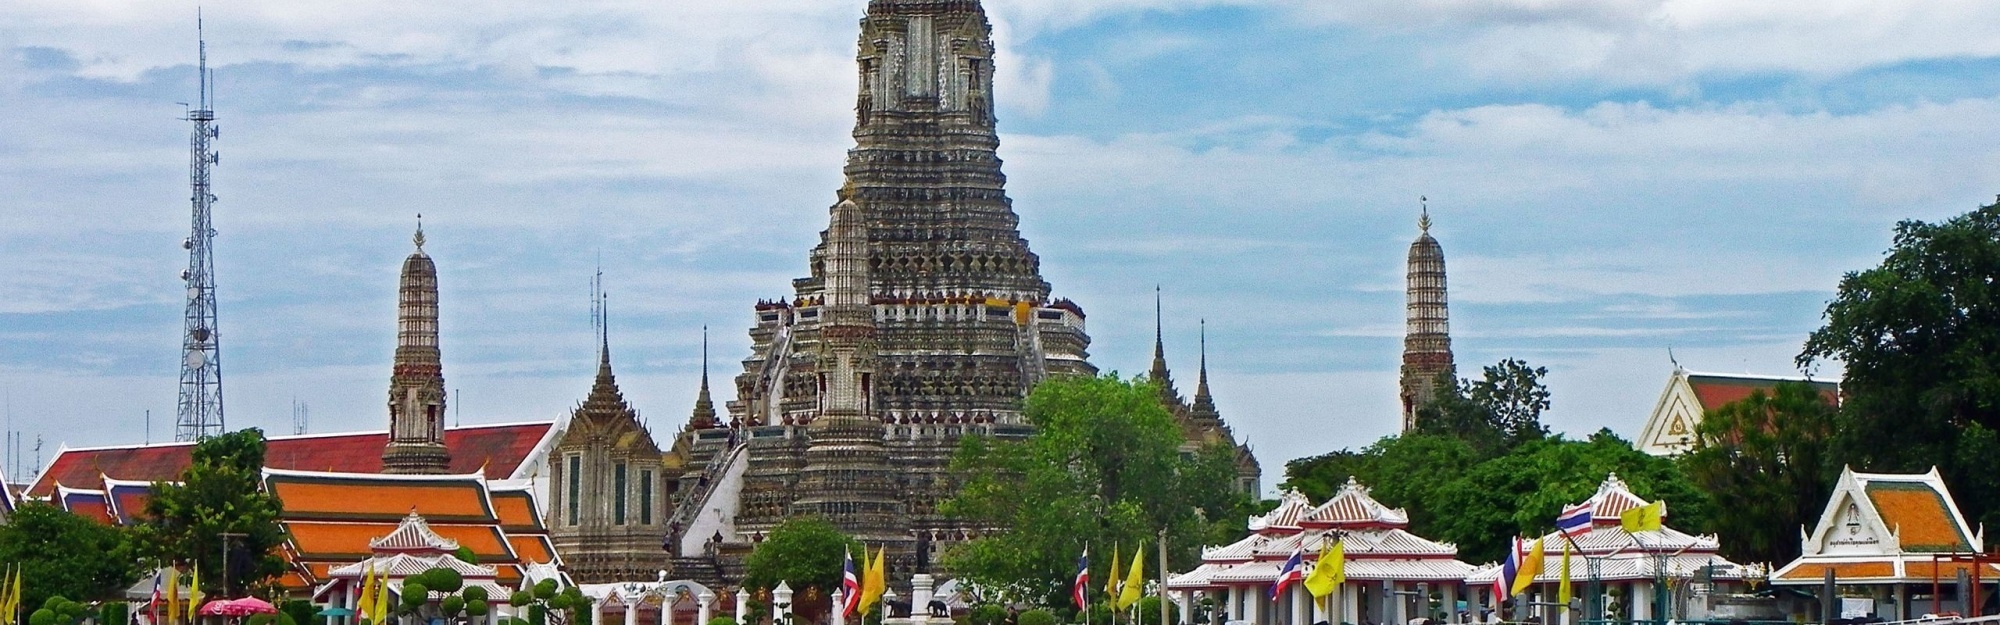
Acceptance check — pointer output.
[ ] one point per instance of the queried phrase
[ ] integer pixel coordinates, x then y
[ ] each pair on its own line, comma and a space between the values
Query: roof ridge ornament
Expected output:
419, 238
1424, 221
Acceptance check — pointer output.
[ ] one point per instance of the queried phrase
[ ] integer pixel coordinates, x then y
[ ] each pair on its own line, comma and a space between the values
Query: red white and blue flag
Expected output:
1503, 587
1079, 591
851, 586
1574, 520
1291, 573
155, 609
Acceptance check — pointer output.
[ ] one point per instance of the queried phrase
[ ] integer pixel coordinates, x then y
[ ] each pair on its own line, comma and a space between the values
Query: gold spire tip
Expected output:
420, 231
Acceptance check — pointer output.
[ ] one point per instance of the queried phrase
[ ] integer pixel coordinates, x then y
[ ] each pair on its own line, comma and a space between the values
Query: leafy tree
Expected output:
1103, 468
218, 494
1495, 413
1522, 492
1765, 461
805, 552
62, 554
1919, 336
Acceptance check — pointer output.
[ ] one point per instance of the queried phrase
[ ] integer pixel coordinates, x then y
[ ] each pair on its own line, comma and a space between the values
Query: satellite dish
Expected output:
196, 358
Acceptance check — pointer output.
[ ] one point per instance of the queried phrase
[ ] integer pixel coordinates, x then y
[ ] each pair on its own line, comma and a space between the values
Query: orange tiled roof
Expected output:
1920, 569
319, 540
516, 509
1919, 516
1844, 570
494, 450
342, 497
532, 547
1715, 391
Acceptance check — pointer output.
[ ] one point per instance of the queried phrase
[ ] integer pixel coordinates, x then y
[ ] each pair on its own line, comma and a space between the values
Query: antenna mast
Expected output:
200, 410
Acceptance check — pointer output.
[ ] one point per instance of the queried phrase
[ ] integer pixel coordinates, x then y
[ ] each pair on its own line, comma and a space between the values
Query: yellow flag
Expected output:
7, 595
1562, 588
1135, 581
173, 593
1111, 578
1644, 518
194, 593
379, 611
874, 581
1531, 566
1330, 571
367, 600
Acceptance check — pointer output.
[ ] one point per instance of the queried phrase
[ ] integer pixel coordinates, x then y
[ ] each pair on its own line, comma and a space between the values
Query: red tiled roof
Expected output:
1716, 391
128, 500
89, 504
496, 449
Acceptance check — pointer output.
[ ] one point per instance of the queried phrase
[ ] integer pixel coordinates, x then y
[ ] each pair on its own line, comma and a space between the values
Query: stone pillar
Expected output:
920, 598
1390, 605
839, 607
707, 599
1233, 607
1451, 603
1301, 608
1350, 603
781, 603
596, 610
742, 606
1187, 607
632, 608
1641, 600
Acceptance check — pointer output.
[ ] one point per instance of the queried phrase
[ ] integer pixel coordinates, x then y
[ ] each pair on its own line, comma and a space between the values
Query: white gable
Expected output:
1670, 428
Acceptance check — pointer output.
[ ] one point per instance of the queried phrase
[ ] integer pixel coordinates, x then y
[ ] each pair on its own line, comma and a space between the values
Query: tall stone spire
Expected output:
1204, 405
607, 504
1427, 335
1159, 374
416, 384
704, 407
847, 478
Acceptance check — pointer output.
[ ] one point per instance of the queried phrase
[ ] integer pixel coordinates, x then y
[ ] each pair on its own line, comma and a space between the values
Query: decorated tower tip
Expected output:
847, 190
420, 231
1424, 219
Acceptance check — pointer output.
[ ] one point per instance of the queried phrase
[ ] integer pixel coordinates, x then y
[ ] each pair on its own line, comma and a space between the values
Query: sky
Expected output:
1612, 181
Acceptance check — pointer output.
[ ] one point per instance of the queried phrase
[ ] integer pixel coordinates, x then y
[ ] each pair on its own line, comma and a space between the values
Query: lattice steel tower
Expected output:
201, 352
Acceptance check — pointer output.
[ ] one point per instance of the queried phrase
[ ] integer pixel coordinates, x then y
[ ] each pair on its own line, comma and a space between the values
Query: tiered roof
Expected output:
1671, 427
1377, 545
335, 519
411, 548
1886, 528
1617, 555
499, 452
89, 504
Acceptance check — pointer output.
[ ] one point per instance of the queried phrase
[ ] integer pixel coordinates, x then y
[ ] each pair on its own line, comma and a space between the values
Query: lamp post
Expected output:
226, 536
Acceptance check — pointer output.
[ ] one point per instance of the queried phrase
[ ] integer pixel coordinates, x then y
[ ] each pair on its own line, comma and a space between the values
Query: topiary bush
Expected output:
721, 620
520, 599
477, 607
43, 616
443, 580
474, 593
545, 589
987, 614
1036, 617
414, 596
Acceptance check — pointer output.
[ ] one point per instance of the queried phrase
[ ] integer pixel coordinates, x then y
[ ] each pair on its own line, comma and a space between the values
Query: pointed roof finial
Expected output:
1424, 222
847, 190
420, 232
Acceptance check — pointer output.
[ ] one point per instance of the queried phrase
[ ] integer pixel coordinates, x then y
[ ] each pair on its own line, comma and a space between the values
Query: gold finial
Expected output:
1424, 222
848, 190
420, 231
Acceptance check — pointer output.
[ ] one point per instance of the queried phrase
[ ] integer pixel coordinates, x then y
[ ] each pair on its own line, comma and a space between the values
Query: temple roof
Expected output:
1292, 508
1885, 527
413, 535
1353, 506
1670, 429
89, 504
496, 451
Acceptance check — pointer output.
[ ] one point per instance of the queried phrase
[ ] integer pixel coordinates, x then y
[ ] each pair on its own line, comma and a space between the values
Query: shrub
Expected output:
987, 614
520, 598
474, 593
545, 589
43, 616
415, 596
443, 580
722, 620
1036, 617
477, 607
452, 605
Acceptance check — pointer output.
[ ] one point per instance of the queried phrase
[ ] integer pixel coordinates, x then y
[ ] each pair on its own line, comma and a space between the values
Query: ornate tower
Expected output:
608, 505
963, 323
1160, 374
846, 476
703, 416
200, 409
1427, 336
416, 385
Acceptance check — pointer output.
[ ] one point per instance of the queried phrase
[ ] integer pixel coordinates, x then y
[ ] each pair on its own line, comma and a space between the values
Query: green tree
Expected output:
62, 554
218, 499
1499, 411
1765, 461
1919, 336
1400, 471
1519, 494
1103, 468
804, 552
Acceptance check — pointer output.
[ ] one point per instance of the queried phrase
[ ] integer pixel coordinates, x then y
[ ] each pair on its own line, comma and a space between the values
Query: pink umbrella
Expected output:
218, 607
251, 605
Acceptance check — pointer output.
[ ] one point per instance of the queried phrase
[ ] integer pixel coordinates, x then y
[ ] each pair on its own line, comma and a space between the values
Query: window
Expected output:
575, 475
618, 494
645, 497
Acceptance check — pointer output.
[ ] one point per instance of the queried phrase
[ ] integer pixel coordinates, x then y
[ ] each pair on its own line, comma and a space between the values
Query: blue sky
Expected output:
1609, 178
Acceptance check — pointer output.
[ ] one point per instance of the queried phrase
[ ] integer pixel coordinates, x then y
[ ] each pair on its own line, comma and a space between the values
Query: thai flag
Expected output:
155, 609
1503, 587
1079, 591
851, 586
1292, 572
1574, 520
